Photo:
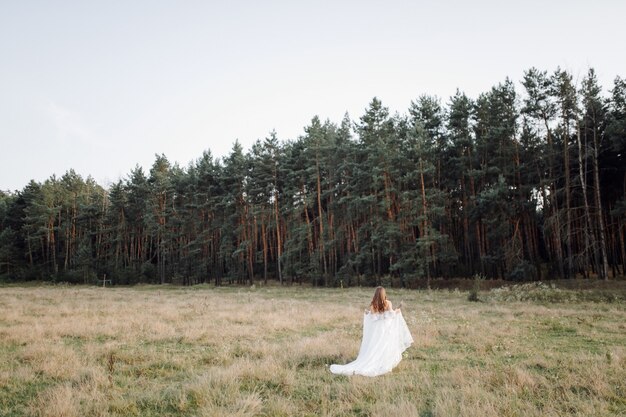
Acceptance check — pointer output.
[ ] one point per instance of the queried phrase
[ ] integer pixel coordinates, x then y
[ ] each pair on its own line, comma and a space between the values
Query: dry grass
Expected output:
203, 351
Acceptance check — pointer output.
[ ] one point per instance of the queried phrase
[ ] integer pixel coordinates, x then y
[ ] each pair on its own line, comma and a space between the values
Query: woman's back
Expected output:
386, 307
385, 337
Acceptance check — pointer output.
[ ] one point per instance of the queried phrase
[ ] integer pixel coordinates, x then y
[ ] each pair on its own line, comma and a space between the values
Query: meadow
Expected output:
265, 351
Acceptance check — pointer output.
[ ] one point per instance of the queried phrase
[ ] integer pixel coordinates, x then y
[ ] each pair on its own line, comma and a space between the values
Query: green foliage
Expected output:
549, 293
447, 190
148, 272
475, 290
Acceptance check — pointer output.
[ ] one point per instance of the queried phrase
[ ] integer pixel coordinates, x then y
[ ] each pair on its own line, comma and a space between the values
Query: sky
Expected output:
103, 86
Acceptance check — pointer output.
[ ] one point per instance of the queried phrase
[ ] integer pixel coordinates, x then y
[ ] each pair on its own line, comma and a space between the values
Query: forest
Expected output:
511, 185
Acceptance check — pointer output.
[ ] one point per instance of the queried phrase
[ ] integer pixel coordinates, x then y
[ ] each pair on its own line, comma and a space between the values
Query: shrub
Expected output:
549, 293
473, 293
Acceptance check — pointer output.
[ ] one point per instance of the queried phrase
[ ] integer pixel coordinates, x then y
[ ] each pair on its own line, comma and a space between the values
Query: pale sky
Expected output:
100, 86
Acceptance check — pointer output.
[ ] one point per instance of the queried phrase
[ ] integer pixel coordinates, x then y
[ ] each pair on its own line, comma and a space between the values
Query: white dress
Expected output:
385, 337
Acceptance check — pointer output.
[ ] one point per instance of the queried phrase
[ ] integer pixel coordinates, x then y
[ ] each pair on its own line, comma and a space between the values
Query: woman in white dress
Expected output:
385, 337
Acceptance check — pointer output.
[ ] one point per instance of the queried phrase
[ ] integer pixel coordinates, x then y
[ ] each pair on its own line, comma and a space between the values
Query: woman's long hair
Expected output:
379, 300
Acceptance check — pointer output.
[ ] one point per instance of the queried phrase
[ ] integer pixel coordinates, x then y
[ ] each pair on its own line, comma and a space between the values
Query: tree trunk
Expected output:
278, 241
425, 222
620, 233
588, 236
264, 237
320, 216
568, 211
604, 267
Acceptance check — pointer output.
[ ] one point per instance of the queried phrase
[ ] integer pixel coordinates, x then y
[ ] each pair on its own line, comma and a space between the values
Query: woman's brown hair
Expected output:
379, 302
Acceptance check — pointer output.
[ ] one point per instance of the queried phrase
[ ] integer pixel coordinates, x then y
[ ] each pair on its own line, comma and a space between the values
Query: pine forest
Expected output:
515, 185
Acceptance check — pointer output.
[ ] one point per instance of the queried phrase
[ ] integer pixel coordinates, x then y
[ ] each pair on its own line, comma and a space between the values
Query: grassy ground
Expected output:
203, 351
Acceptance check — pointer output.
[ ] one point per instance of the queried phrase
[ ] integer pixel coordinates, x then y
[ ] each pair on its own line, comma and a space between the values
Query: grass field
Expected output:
204, 351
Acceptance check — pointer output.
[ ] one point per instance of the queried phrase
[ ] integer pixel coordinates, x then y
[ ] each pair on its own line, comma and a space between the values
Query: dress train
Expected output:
385, 337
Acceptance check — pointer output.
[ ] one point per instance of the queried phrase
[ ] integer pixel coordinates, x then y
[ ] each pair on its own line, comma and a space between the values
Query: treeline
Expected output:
516, 187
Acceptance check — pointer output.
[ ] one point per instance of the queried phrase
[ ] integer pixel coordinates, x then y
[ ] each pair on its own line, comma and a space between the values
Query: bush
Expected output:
73, 277
523, 271
473, 293
549, 293
148, 272
126, 276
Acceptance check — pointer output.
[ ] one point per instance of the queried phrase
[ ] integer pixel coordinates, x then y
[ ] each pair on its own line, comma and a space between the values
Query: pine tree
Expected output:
615, 165
593, 125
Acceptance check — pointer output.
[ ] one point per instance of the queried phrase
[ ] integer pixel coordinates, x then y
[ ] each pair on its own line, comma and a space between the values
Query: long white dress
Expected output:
385, 337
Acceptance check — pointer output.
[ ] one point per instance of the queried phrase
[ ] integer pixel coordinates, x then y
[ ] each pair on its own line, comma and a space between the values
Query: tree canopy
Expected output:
513, 186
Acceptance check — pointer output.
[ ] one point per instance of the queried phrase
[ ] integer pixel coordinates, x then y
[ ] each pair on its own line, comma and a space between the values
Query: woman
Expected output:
385, 337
